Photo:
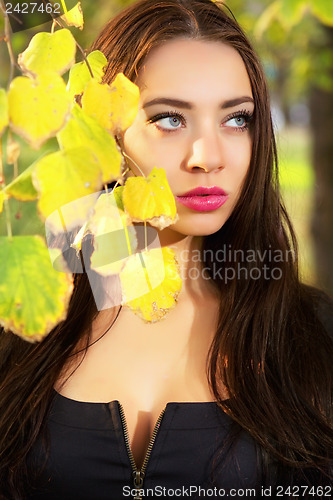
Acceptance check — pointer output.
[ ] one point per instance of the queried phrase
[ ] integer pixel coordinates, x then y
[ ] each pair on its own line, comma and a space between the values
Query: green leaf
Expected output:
118, 196
79, 74
49, 52
33, 296
323, 9
74, 17
38, 108
63, 177
22, 187
292, 11
84, 131
266, 18
4, 118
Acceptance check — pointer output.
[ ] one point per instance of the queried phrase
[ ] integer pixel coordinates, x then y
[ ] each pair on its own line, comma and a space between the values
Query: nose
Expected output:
205, 153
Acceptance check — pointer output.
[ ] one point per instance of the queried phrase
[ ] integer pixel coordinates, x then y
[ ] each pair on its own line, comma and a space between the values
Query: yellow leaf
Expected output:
96, 103
125, 103
79, 74
22, 187
114, 236
115, 106
83, 131
49, 52
61, 178
156, 285
33, 296
38, 108
150, 199
2, 199
74, 17
4, 119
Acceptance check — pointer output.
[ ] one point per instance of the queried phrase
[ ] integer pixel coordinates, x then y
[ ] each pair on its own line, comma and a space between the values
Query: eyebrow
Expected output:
187, 105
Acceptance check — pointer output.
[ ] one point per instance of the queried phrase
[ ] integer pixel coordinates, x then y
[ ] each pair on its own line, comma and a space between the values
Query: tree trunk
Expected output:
321, 108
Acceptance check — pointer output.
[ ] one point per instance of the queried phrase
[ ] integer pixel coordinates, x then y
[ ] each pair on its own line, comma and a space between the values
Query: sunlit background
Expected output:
295, 42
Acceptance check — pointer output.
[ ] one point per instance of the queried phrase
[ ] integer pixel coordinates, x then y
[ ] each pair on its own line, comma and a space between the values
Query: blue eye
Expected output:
239, 121
171, 122
168, 122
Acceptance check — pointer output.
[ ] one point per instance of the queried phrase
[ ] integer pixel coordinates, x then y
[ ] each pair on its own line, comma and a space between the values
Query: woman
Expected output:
232, 392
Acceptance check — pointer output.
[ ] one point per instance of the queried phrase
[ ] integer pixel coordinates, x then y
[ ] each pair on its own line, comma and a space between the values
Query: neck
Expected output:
189, 257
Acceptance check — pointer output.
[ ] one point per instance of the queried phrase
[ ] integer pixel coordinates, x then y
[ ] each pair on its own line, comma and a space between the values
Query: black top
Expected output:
88, 458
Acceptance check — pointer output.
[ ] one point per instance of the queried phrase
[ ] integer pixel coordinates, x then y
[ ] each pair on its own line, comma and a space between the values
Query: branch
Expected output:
6, 201
13, 63
57, 21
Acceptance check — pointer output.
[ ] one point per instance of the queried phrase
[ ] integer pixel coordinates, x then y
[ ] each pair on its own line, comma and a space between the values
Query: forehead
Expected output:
194, 69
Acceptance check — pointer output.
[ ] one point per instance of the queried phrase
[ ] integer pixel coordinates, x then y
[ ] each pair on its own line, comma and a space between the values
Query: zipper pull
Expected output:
138, 482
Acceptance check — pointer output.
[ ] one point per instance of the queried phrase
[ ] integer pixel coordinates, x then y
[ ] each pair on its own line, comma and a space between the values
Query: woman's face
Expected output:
194, 121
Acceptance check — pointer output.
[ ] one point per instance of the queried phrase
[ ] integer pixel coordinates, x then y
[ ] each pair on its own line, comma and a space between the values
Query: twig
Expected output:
10, 142
118, 181
56, 20
146, 242
6, 202
8, 41
137, 166
127, 158
121, 145
85, 58
13, 64
8, 219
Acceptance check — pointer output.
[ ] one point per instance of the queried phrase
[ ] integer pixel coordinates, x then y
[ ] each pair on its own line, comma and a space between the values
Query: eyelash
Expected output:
241, 114
176, 114
168, 114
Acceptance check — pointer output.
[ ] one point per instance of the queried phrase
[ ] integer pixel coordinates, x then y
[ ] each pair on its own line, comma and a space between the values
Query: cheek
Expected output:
238, 157
132, 142
150, 151
136, 150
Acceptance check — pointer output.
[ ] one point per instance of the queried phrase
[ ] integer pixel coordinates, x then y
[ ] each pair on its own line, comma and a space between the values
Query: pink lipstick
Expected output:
203, 199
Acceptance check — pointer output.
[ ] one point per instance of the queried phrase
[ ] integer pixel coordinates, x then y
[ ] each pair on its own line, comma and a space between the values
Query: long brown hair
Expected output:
270, 350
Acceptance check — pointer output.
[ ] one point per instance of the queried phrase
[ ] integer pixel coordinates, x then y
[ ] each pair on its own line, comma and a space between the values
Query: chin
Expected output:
199, 225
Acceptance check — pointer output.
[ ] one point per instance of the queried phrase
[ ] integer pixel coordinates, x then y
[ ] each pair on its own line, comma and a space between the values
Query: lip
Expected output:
203, 199
204, 190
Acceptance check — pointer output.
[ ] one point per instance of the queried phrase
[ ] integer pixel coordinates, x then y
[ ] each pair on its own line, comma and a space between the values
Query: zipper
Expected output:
139, 474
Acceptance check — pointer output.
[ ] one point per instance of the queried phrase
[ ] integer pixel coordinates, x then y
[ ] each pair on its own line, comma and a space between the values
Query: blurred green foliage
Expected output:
291, 41
297, 179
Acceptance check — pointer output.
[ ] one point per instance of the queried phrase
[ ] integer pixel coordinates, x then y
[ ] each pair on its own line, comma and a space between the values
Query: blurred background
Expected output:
294, 39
